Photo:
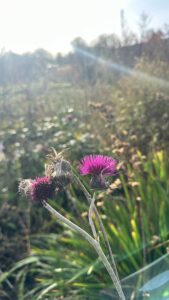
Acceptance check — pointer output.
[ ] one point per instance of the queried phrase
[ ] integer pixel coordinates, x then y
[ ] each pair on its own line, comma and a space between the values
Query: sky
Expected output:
26, 25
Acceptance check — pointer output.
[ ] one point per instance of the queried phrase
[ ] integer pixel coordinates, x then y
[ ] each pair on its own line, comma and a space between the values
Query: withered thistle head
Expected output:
25, 187
58, 175
55, 156
59, 169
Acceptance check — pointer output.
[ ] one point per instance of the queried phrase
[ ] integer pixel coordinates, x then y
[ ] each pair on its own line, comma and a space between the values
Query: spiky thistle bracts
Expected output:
42, 188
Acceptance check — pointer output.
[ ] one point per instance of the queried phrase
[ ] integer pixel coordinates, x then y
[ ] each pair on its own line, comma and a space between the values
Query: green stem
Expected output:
93, 242
106, 241
92, 225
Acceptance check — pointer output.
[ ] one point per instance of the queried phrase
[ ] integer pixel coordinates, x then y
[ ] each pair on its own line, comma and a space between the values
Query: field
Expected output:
127, 119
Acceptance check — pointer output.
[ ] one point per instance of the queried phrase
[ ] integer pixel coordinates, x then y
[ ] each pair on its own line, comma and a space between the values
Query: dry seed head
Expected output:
55, 156
62, 173
59, 169
25, 187
49, 169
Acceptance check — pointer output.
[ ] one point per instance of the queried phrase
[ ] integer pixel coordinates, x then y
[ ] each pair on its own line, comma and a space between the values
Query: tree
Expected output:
79, 43
128, 37
143, 25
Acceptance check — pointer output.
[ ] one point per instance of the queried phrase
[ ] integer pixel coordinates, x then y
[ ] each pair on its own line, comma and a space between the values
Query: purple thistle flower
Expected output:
41, 189
98, 164
100, 167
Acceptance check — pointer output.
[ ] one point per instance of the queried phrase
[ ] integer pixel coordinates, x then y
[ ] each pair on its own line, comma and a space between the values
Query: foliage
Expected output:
137, 112
144, 101
59, 264
23, 149
43, 103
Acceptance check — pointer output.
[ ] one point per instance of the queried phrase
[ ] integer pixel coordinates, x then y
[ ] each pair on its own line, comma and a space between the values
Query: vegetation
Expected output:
84, 105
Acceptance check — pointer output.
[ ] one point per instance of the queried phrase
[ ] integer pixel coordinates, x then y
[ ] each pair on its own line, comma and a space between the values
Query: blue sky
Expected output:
26, 25
158, 10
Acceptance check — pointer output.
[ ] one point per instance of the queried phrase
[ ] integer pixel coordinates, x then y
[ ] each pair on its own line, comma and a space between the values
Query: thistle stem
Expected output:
92, 241
90, 218
106, 241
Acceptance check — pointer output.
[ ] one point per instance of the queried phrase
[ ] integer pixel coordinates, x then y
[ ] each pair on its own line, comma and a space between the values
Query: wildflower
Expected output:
42, 188
100, 167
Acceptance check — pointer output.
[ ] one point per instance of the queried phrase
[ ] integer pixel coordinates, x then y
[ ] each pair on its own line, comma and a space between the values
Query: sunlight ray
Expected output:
123, 69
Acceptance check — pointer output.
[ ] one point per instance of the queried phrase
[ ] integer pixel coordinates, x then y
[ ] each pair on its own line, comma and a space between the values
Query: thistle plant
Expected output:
59, 174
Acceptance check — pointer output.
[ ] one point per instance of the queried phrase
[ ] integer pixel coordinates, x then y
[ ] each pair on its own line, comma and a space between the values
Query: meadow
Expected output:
127, 119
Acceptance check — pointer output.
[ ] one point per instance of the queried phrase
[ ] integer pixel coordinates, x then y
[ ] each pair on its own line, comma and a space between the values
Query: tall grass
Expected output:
63, 266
